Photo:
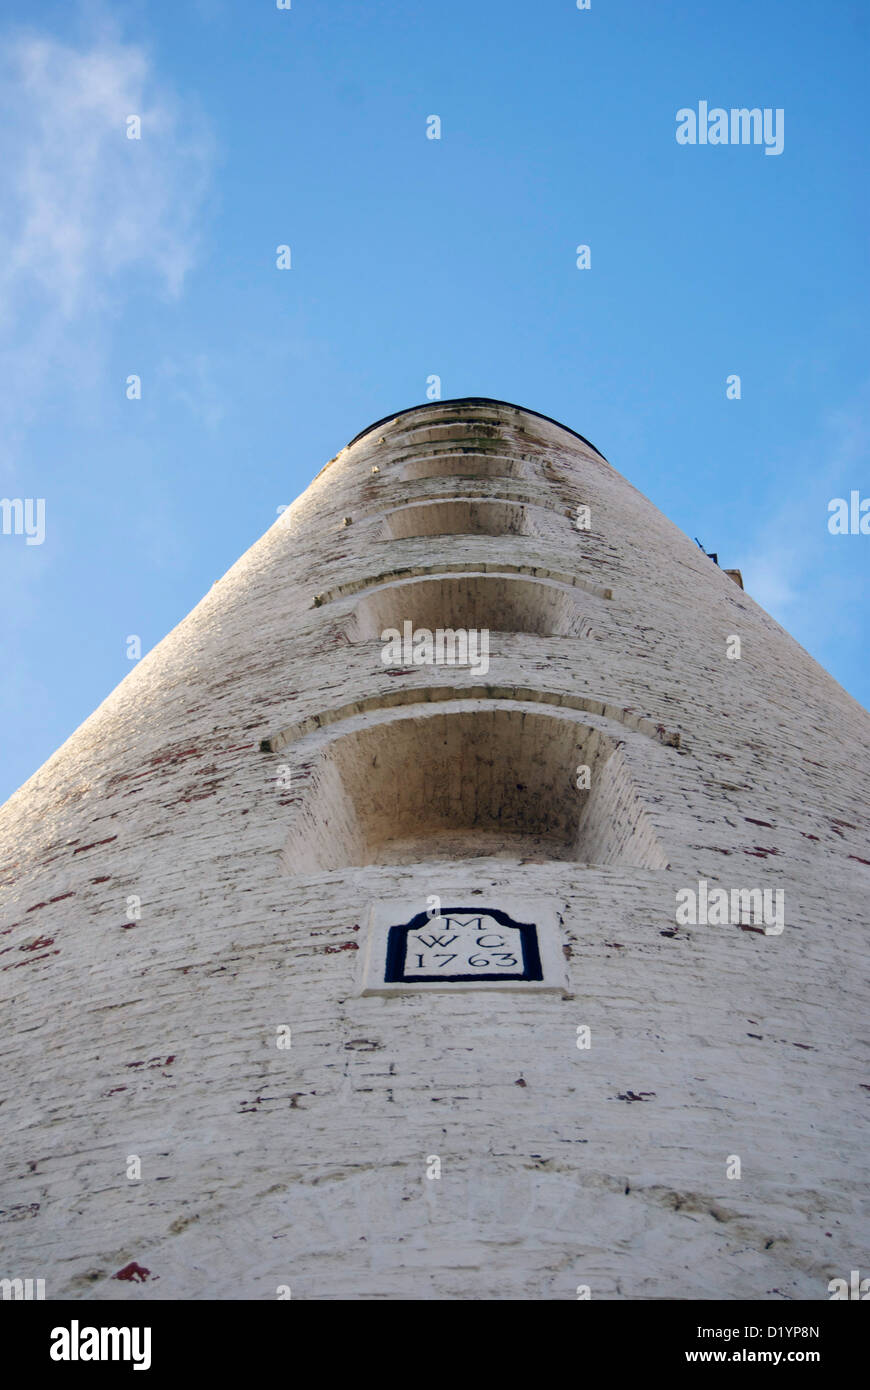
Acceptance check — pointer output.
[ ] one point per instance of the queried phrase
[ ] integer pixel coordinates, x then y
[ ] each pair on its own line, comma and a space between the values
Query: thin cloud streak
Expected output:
795, 567
86, 211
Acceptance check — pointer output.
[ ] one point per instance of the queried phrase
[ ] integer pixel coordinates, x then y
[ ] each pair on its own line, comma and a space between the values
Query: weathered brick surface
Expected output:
306, 1167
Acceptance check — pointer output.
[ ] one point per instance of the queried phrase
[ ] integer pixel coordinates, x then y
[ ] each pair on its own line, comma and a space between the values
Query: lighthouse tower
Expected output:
465, 901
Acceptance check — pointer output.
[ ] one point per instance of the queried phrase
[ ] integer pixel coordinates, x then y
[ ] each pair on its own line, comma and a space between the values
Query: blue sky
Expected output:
413, 257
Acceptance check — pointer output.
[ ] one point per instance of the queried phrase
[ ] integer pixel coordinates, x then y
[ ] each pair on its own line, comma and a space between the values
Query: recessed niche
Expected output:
465, 466
465, 784
457, 431
458, 517
497, 602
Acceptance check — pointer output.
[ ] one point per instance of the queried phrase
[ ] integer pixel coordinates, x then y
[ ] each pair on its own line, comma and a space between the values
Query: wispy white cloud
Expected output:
86, 212
794, 567
192, 383
89, 221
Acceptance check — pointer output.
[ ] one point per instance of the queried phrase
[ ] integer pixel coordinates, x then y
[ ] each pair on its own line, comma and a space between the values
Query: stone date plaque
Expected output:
463, 944
505, 944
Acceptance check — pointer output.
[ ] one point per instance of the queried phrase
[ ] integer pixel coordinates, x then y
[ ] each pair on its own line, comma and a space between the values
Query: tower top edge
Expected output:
455, 401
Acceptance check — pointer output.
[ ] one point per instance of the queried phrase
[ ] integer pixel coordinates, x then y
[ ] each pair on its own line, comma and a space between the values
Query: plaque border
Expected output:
544, 912
397, 938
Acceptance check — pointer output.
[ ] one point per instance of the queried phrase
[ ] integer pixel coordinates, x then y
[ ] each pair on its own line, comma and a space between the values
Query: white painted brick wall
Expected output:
306, 1167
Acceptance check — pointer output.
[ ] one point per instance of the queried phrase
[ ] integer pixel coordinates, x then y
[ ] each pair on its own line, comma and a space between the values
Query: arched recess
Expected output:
465, 465
356, 586
467, 780
459, 516
460, 430
480, 601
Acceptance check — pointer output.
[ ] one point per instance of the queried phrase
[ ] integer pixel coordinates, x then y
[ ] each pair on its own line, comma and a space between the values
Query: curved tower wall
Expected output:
275, 794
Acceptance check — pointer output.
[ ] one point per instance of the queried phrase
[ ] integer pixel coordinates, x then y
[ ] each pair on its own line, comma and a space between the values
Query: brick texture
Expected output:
251, 782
